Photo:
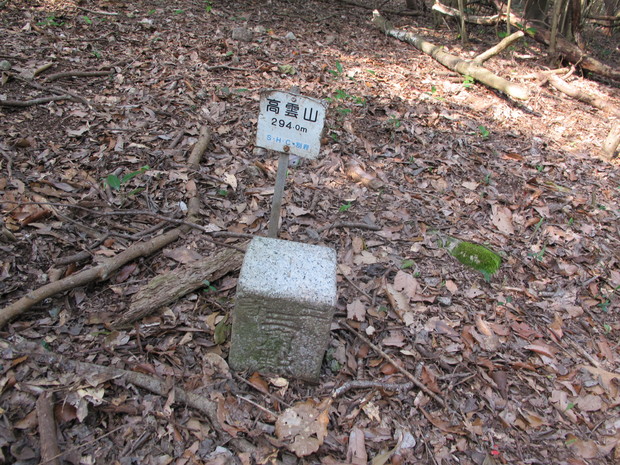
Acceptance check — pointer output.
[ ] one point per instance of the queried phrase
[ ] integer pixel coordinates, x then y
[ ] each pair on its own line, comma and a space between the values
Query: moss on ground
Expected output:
474, 256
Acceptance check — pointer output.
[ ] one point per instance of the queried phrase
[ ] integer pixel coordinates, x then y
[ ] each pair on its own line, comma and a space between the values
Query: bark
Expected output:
50, 452
168, 287
464, 67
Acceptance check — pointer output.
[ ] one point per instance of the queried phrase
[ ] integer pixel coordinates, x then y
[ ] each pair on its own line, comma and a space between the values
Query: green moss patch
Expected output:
474, 256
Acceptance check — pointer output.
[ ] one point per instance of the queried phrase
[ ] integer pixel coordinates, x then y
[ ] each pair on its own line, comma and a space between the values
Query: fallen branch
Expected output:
454, 63
396, 365
505, 43
50, 452
33, 102
455, 13
566, 49
561, 85
612, 142
54, 77
365, 384
98, 12
157, 386
168, 287
103, 271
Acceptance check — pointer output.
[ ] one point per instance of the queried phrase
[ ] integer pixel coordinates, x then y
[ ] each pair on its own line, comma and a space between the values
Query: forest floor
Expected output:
523, 368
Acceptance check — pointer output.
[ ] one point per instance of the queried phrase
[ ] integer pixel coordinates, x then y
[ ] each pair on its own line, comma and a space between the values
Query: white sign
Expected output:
290, 123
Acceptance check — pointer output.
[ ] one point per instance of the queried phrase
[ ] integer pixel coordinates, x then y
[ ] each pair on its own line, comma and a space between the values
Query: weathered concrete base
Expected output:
286, 295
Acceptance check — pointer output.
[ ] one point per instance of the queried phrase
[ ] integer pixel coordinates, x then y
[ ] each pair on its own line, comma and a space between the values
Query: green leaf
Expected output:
129, 176
345, 207
113, 181
407, 264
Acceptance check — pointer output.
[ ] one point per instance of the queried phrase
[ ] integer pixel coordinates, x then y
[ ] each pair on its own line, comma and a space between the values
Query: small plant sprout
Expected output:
222, 192
394, 122
338, 71
484, 132
87, 20
345, 207
208, 6
208, 287
406, 264
468, 81
115, 183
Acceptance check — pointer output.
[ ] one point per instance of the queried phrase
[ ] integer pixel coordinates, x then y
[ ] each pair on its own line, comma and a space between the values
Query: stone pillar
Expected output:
285, 302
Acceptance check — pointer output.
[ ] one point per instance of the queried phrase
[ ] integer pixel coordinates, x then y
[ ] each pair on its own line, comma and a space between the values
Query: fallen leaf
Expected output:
303, 427
542, 349
356, 449
398, 301
610, 381
258, 382
356, 310
502, 219
590, 403
406, 283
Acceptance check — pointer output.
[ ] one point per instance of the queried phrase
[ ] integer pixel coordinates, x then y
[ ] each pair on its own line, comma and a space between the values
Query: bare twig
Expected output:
405, 372
157, 386
53, 77
344, 224
364, 384
103, 271
98, 12
35, 101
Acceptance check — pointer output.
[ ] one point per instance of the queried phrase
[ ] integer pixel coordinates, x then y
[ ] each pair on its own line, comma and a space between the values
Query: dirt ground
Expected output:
522, 367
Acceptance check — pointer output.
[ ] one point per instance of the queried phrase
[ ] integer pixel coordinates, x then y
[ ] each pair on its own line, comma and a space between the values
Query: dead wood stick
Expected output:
150, 383
168, 287
50, 452
97, 273
405, 372
505, 42
103, 271
612, 142
452, 62
564, 87
168, 219
35, 101
365, 384
53, 77
345, 224
455, 13
98, 12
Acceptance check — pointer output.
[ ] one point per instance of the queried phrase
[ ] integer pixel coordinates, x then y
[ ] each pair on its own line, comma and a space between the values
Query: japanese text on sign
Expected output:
290, 123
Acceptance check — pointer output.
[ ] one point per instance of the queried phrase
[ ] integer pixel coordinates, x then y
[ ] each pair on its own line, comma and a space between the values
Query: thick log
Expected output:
168, 287
454, 63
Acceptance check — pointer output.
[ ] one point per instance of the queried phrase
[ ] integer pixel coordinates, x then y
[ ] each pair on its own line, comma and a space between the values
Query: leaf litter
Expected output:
527, 363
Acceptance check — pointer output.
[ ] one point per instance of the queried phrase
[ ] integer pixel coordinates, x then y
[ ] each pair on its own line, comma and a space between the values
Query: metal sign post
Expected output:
290, 124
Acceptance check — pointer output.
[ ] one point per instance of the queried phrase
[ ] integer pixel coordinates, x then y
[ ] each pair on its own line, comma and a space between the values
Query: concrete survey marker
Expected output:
290, 123
286, 296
